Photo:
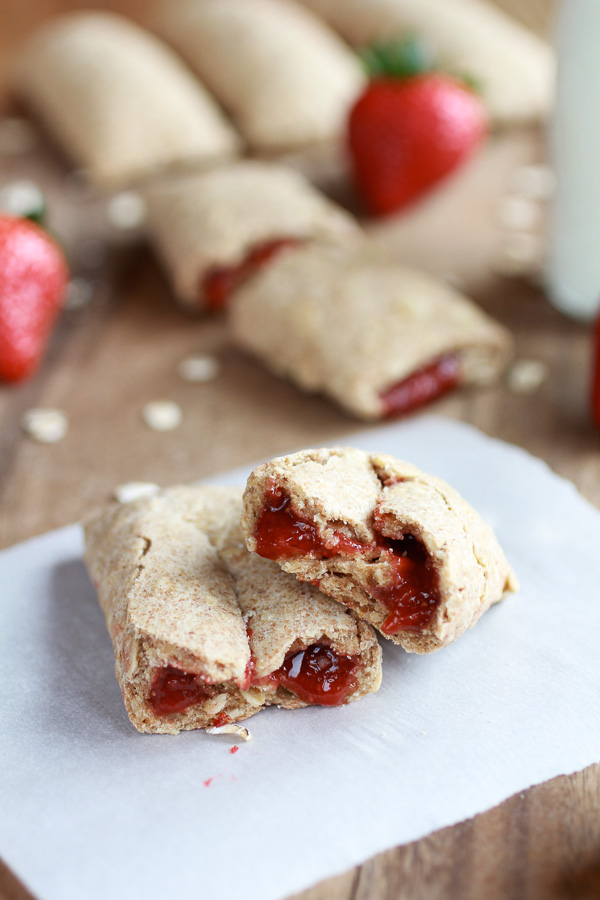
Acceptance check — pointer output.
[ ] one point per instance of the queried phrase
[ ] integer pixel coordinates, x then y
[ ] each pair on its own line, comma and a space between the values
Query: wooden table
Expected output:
110, 358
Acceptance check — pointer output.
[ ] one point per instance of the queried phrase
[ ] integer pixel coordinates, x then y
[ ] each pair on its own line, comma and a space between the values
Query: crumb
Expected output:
198, 368
134, 490
521, 254
162, 415
239, 730
22, 198
126, 211
47, 426
526, 376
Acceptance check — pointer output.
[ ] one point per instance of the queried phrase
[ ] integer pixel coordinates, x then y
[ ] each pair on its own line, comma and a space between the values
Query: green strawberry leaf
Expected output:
400, 58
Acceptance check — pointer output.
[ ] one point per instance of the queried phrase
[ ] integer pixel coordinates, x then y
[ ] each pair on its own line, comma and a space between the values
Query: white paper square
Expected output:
92, 809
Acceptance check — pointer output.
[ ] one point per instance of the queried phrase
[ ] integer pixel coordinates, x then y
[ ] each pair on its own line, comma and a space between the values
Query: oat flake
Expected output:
199, 368
526, 376
162, 415
47, 426
126, 211
135, 490
238, 730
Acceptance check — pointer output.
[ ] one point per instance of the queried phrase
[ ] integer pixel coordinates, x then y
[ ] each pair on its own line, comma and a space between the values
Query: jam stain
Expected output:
173, 691
234, 749
283, 533
423, 386
208, 782
412, 595
220, 282
319, 676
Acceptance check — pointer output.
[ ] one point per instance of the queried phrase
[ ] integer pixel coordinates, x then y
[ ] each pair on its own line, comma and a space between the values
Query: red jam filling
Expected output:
283, 533
221, 719
318, 675
221, 281
173, 691
424, 385
411, 595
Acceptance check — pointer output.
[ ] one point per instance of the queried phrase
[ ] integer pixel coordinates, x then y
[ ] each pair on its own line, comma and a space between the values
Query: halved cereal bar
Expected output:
205, 634
399, 547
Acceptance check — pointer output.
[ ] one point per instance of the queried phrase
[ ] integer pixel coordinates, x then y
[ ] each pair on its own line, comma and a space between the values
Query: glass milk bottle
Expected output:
573, 272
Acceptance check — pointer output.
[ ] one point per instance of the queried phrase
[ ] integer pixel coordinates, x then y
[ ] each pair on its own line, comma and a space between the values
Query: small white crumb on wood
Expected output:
520, 213
162, 415
126, 211
534, 182
21, 198
46, 426
238, 730
522, 254
199, 368
135, 490
526, 376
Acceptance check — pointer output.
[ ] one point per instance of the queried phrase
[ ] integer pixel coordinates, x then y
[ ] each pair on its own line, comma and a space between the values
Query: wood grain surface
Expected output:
110, 358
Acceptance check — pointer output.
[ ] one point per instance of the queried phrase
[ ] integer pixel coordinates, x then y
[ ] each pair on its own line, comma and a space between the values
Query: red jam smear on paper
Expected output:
173, 691
318, 675
423, 386
283, 533
221, 281
413, 596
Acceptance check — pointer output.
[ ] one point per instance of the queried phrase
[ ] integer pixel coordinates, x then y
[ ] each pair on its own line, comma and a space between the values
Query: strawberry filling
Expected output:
411, 595
220, 282
221, 719
173, 691
424, 385
318, 675
283, 533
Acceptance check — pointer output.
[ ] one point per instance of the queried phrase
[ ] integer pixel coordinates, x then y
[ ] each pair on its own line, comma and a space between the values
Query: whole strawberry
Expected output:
408, 131
33, 280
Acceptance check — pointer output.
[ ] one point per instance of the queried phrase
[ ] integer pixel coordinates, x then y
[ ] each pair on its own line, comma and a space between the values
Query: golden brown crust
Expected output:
351, 324
200, 220
178, 587
118, 100
285, 77
340, 490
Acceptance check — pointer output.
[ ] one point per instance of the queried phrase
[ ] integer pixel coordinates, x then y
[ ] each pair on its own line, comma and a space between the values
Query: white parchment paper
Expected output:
92, 809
